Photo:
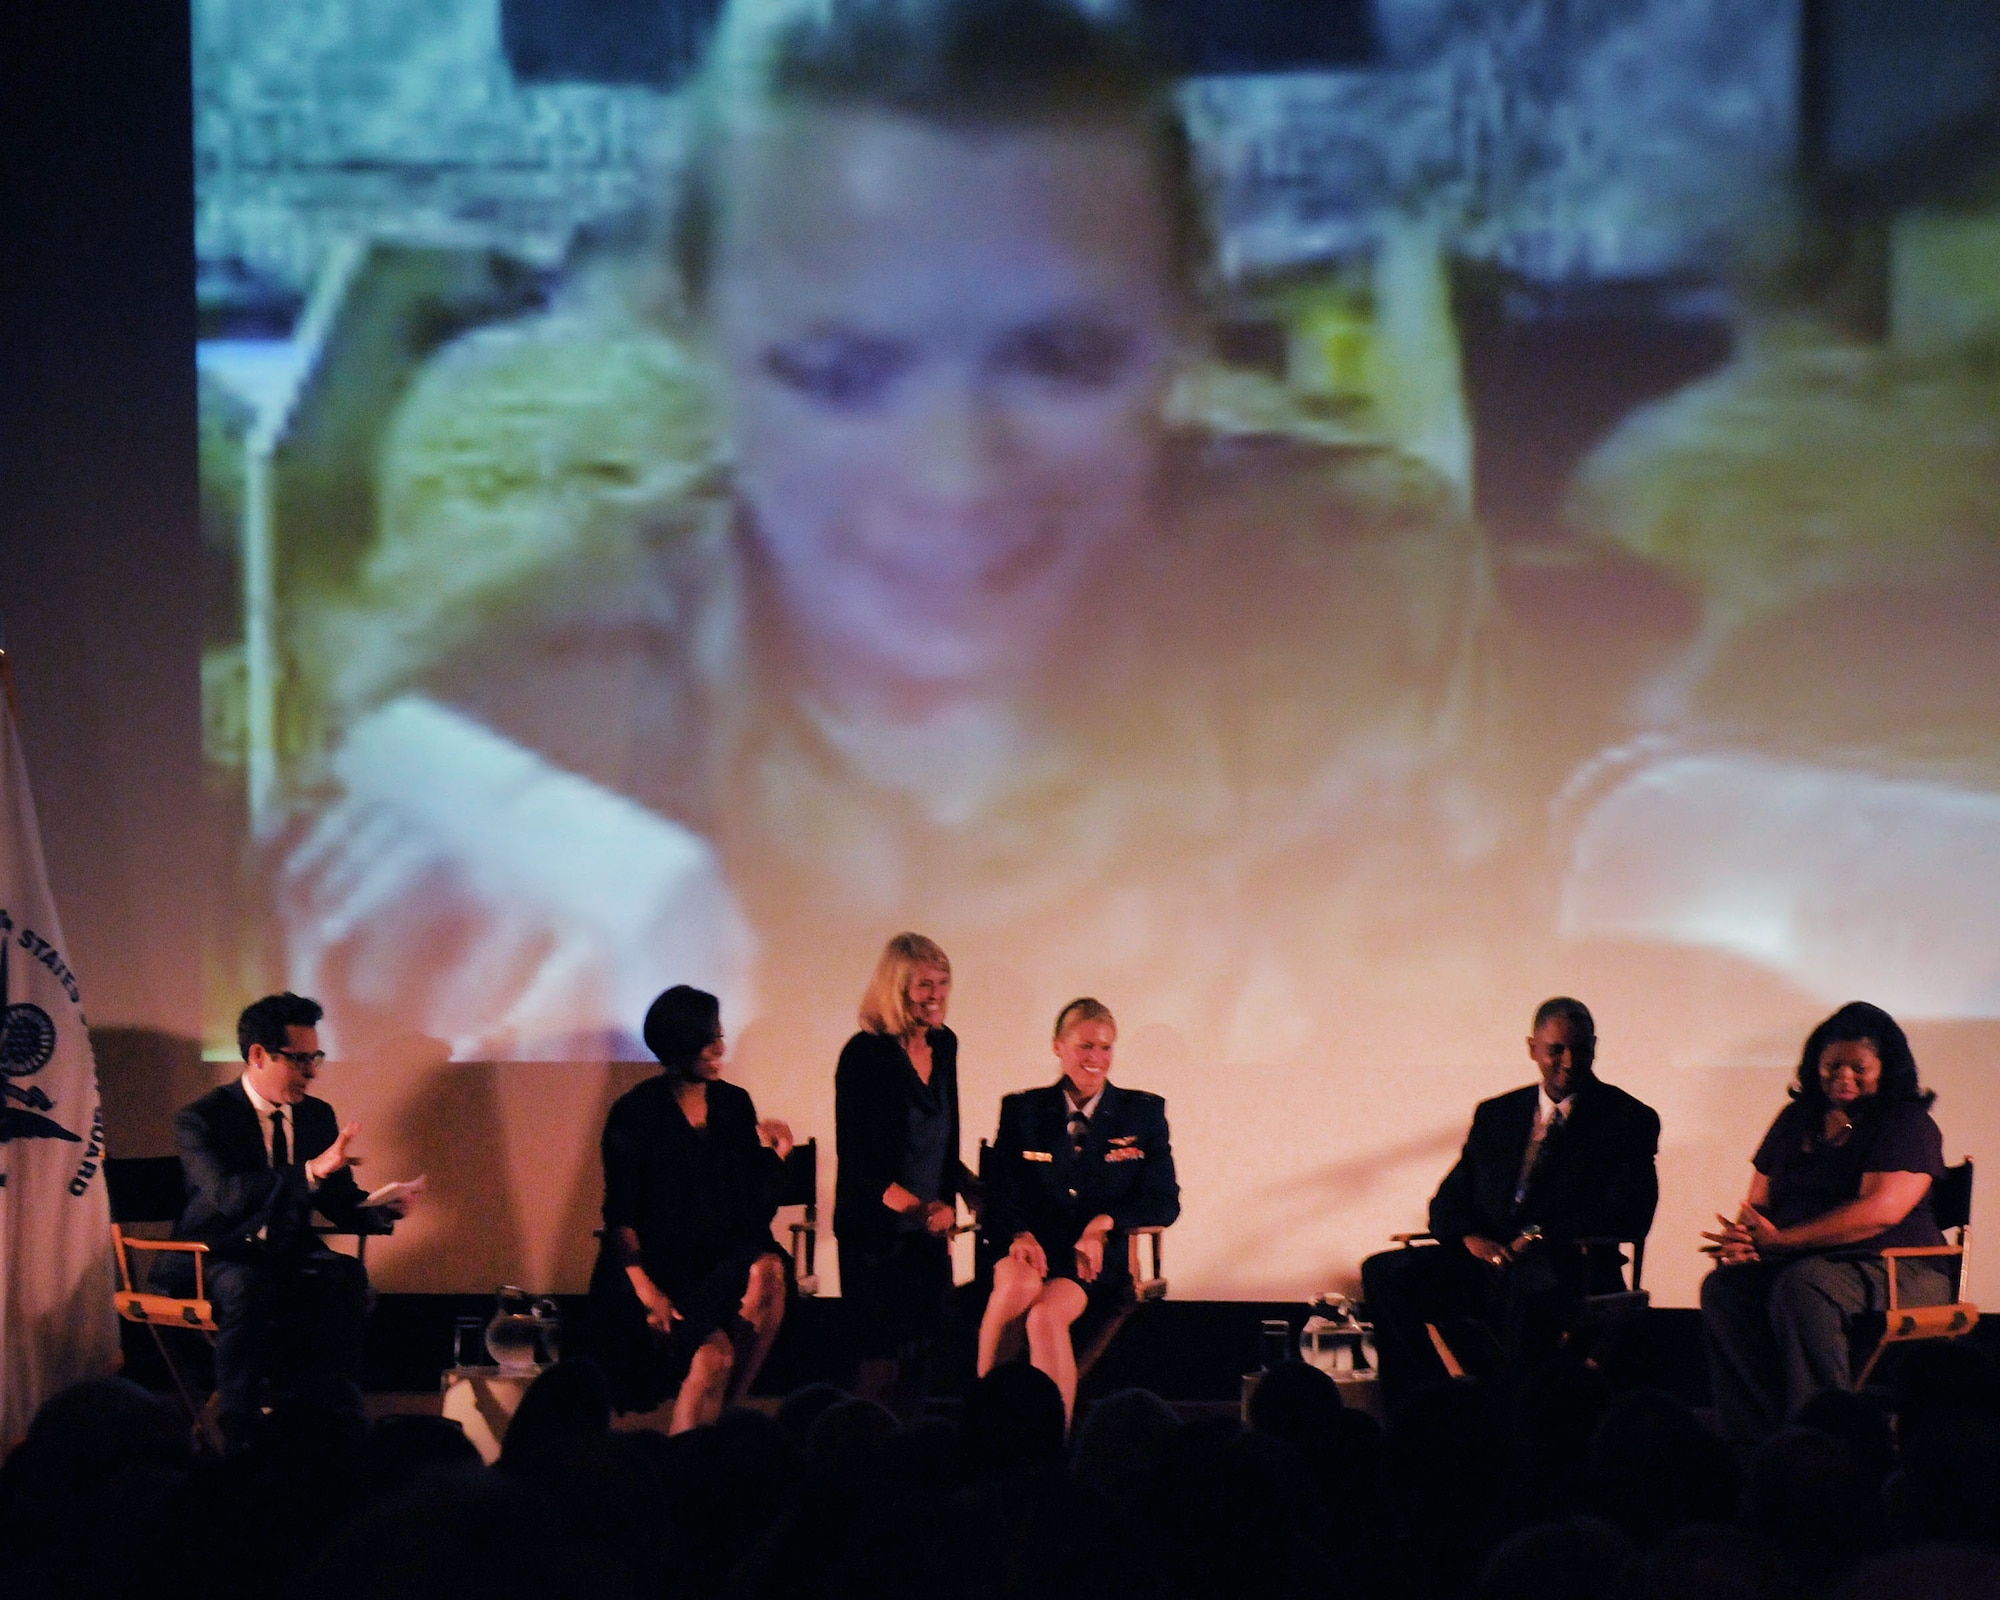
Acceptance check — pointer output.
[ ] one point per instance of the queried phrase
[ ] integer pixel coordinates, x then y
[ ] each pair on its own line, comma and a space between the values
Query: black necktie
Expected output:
1079, 1130
281, 1151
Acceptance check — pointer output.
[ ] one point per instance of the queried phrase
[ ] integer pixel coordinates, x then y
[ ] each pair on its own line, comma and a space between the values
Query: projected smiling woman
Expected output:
885, 588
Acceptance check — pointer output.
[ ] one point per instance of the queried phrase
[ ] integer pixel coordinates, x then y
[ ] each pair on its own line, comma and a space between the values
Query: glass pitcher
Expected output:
512, 1336
1335, 1339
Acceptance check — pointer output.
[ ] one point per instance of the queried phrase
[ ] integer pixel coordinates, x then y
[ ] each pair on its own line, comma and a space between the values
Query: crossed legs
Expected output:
1047, 1308
724, 1367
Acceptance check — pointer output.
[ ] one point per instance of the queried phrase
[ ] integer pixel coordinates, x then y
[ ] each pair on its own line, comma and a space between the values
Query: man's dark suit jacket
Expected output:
1126, 1171
234, 1194
1596, 1178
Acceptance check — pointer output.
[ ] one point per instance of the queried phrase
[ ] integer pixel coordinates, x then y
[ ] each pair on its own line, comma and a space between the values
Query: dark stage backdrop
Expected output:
1536, 534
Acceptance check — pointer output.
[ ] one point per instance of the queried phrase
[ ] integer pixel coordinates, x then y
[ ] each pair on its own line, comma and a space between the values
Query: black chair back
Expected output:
145, 1188
799, 1186
1951, 1199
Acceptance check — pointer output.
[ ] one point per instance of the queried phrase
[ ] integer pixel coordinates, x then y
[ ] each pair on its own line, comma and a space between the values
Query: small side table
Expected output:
1360, 1391
483, 1400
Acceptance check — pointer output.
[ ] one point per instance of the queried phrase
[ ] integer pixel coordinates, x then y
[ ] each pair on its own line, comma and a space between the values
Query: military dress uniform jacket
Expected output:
1036, 1185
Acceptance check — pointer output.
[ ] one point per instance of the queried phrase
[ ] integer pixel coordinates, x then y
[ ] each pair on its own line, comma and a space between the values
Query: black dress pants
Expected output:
1505, 1318
286, 1320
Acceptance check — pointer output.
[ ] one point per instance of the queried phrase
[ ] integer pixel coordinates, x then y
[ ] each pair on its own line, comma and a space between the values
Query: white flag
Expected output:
56, 1318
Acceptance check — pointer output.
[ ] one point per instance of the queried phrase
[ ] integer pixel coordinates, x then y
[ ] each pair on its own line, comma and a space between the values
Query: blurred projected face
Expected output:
1849, 1070
946, 351
1560, 1054
1085, 1053
925, 996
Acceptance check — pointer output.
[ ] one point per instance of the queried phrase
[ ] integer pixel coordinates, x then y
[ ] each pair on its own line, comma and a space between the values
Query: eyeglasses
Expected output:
302, 1058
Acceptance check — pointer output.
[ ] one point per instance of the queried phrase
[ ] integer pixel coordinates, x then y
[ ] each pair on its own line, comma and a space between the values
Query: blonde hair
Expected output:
1081, 1011
885, 1006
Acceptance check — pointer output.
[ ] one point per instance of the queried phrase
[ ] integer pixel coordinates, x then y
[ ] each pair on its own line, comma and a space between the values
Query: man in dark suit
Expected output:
1568, 1159
260, 1157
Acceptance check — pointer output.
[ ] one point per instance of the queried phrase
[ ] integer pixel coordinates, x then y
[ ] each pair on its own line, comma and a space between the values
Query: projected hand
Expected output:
463, 888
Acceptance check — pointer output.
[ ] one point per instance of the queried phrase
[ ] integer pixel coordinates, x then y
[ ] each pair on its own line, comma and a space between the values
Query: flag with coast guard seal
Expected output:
56, 1319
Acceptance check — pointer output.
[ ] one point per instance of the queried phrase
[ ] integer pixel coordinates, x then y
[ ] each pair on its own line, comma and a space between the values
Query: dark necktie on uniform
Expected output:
281, 1152
1079, 1130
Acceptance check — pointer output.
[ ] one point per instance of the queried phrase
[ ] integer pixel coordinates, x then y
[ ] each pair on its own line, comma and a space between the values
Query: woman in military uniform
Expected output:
1073, 1166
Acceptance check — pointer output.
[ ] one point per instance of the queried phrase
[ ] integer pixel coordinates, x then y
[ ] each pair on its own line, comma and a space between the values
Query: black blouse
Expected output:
875, 1092
1809, 1177
693, 1195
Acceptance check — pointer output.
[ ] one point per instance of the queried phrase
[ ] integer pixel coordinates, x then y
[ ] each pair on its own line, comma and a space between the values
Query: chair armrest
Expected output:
1891, 1254
190, 1247
1146, 1285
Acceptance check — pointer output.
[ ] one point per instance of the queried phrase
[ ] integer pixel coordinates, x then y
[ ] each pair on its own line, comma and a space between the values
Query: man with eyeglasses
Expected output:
261, 1155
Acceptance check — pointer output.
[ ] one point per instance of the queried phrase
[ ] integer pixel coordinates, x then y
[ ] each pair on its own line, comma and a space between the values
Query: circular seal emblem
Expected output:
27, 1040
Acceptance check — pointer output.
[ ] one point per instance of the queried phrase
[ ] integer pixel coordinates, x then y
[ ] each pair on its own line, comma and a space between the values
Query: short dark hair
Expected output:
268, 1021
680, 1024
1858, 1021
1578, 1016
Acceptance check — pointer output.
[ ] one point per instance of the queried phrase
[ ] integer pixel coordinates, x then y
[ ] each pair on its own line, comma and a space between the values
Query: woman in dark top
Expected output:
895, 1121
689, 1287
1846, 1169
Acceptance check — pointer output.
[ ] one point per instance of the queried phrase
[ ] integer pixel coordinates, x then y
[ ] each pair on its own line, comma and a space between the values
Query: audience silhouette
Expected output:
1561, 1492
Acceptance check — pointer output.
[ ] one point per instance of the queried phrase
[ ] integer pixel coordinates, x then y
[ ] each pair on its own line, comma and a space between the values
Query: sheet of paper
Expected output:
389, 1193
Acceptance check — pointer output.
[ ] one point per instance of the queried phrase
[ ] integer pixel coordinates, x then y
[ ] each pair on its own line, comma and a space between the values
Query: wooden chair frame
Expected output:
192, 1313
156, 1311
1903, 1324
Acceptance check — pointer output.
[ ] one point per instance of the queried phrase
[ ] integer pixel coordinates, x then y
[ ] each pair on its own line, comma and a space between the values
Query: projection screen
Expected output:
1320, 551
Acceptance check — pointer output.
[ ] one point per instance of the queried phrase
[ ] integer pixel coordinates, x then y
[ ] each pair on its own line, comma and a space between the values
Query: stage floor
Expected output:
1191, 1352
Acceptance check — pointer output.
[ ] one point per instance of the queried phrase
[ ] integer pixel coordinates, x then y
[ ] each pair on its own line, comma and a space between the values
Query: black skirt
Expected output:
645, 1366
894, 1293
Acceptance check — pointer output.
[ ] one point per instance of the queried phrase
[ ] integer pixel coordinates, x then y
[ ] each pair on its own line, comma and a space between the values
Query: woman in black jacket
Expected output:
689, 1287
895, 1118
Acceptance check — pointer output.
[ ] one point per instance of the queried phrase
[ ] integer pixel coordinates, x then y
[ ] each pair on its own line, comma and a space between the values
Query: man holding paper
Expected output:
260, 1156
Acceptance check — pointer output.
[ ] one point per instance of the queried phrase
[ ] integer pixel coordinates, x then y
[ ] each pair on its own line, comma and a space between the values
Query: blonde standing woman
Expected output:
896, 1132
